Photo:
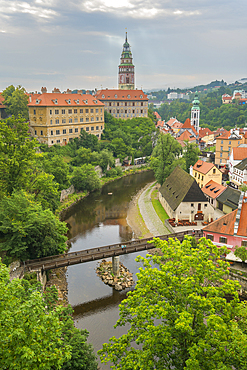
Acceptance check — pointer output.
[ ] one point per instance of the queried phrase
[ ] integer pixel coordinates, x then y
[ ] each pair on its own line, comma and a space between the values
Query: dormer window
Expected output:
37, 101
115, 96
103, 96
68, 101
141, 96
128, 96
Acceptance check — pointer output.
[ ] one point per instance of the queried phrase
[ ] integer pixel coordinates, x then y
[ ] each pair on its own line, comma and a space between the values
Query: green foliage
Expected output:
31, 336
114, 172
87, 141
16, 101
27, 231
163, 157
241, 252
56, 166
85, 178
191, 155
177, 317
17, 155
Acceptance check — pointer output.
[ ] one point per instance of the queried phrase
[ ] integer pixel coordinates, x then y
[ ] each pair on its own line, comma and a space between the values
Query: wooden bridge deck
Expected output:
93, 254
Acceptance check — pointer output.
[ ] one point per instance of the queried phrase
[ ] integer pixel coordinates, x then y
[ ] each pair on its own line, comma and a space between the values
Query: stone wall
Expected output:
66, 192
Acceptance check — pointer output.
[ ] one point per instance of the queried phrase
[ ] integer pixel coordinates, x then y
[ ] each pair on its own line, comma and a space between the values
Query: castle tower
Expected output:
126, 69
195, 113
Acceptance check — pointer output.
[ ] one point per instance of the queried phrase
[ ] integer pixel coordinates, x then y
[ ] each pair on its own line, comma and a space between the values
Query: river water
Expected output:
100, 219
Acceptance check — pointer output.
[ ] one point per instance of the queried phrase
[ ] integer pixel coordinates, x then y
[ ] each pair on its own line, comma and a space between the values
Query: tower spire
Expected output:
126, 69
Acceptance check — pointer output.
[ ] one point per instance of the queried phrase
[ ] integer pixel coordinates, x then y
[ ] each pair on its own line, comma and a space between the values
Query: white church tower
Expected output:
195, 113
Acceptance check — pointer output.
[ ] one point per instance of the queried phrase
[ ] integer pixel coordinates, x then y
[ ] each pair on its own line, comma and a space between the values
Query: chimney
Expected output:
68, 91
30, 98
56, 90
79, 92
43, 90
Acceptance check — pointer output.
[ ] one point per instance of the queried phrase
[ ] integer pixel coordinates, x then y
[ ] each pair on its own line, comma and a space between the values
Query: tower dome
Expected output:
195, 113
126, 68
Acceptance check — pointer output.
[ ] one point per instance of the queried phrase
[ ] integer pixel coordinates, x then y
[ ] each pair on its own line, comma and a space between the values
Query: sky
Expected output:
77, 44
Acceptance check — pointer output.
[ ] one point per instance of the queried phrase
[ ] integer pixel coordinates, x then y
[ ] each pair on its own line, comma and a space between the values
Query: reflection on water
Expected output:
100, 219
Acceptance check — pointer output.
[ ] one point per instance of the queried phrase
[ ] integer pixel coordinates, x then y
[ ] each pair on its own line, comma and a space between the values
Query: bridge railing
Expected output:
180, 235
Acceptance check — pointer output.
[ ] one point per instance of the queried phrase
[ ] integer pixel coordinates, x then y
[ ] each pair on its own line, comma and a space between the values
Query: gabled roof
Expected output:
69, 100
241, 165
225, 224
177, 125
239, 153
186, 135
187, 124
204, 131
157, 116
181, 187
160, 124
213, 189
115, 94
229, 197
203, 167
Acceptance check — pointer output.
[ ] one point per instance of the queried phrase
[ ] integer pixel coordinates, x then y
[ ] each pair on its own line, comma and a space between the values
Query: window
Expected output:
70, 111
70, 131
75, 110
92, 119
202, 178
96, 110
97, 128
125, 111
64, 131
220, 160
81, 110
57, 132
97, 118
192, 204
125, 104
87, 128
210, 237
198, 176
92, 128
51, 121
141, 104
50, 111
76, 129
63, 111
51, 132
221, 148
223, 239
87, 119
81, 119
205, 205
52, 141
229, 148
221, 155
141, 111
195, 174
86, 110
81, 129
63, 120
57, 121
101, 110
58, 141
230, 142
110, 110
91, 110
34, 111
70, 120
35, 132
221, 141
244, 243
41, 132
56, 111
214, 170
76, 120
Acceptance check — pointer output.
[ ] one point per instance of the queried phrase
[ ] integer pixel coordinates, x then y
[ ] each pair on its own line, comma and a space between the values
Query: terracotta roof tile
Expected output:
48, 99
242, 227
186, 136
121, 95
239, 153
203, 167
205, 131
213, 189
224, 225
157, 116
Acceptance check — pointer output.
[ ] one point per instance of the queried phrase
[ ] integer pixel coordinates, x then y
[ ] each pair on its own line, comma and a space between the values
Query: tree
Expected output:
178, 316
31, 335
16, 100
85, 178
191, 155
36, 333
163, 156
17, 155
88, 141
27, 231
241, 252
56, 166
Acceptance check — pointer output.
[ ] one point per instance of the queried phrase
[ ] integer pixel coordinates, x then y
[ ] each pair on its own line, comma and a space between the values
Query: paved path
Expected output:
152, 221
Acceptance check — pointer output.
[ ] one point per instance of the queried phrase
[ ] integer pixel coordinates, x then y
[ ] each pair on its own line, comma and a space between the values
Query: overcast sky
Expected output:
78, 43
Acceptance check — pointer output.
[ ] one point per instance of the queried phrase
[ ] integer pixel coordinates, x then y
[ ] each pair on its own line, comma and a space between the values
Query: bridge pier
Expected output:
115, 265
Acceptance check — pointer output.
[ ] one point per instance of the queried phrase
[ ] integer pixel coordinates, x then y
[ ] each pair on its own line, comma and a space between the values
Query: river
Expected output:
100, 219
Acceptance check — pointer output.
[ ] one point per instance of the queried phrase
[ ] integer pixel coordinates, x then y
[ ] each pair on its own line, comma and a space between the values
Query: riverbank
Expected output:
141, 215
77, 197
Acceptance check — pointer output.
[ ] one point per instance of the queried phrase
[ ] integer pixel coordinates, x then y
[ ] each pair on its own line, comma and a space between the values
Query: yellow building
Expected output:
224, 145
124, 104
203, 172
206, 135
57, 118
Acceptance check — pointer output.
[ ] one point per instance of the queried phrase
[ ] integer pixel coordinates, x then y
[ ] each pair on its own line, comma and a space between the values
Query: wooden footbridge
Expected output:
93, 254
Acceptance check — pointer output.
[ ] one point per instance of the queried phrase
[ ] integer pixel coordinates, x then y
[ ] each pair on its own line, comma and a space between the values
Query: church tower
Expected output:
195, 113
126, 69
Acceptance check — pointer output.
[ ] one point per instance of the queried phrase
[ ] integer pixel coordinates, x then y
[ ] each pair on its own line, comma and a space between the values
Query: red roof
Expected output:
177, 125
187, 125
121, 95
204, 131
186, 136
203, 167
213, 189
239, 153
225, 224
58, 99
160, 124
157, 116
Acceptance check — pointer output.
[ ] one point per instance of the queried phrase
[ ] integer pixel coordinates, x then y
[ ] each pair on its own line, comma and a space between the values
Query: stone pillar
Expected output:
115, 265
